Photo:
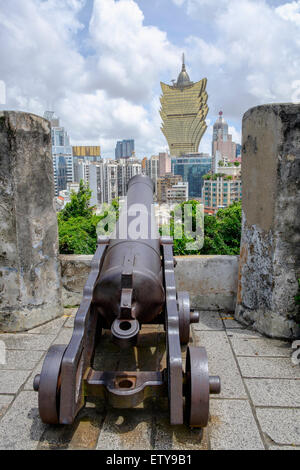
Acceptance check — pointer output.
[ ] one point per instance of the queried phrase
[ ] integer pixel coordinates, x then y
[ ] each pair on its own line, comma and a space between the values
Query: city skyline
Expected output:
98, 63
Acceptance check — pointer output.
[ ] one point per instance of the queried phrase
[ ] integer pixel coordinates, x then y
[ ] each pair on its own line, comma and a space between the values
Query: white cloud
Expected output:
101, 97
254, 57
290, 11
250, 56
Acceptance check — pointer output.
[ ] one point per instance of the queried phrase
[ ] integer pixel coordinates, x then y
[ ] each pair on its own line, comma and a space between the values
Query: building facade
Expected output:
152, 169
91, 153
192, 170
222, 145
219, 191
164, 183
164, 163
124, 149
178, 193
62, 156
183, 112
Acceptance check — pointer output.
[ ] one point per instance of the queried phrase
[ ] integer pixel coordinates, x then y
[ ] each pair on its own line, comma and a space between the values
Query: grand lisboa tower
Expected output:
183, 112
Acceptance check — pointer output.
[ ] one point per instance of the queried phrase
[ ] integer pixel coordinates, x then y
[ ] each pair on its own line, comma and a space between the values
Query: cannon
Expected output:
131, 284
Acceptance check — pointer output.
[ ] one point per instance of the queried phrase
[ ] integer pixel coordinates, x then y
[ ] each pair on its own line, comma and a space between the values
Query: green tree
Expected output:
79, 205
77, 223
222, 233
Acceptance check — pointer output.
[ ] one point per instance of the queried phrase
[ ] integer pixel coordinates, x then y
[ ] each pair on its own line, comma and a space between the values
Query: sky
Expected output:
98, 64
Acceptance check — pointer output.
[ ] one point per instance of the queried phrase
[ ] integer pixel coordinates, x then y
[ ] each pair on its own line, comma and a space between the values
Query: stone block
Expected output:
269, 266
221, 362
233, 427
29, 266
274, 392
281, 426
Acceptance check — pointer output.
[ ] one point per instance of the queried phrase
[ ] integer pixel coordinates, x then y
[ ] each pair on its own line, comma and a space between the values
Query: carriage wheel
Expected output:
48, 385
197, 387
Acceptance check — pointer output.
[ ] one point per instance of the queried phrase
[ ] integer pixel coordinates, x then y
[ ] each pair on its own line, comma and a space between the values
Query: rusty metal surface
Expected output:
197, 387
174, 358
131, 283
48, 385
79, 354
126, 389
135, 258
184, 310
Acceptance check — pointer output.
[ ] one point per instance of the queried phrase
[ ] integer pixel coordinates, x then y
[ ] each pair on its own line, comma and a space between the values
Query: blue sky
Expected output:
98, 63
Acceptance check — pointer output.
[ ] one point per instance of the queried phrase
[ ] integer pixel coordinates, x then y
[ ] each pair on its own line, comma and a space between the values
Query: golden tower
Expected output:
183, 112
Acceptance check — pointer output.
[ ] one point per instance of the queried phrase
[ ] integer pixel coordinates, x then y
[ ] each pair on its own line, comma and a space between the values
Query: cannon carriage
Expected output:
131, 283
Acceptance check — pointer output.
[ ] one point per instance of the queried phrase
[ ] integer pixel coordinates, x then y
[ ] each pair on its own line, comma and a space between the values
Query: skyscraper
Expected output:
183, 112
192, 170
222, 145
124, 149
61, 154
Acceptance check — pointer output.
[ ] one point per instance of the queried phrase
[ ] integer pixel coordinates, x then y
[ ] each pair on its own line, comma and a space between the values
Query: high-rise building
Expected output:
222, 145
107, 179
219, 191
164, 183
164, 163
127, 168
183, 112
61, 154
178, 193
91, 153
192, 170
124, 149
152, 169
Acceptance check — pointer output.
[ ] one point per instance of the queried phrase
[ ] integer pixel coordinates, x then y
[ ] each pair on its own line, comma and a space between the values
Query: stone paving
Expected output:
258, 408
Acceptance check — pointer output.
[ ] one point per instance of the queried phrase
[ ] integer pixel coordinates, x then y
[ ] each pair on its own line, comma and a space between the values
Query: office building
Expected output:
192, 170
61, 154
222, 145
219, 191
124, 149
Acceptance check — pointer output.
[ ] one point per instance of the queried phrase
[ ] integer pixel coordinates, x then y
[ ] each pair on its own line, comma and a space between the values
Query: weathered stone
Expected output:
232, 426
29, 268
268, 367
126, 429
281, 426
21, 427
5, 401
221, 362
12, 380
210, 280
270, 246
274, 392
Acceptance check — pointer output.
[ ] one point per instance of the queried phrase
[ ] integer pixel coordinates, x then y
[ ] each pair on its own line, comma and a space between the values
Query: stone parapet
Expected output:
270, 246
30, 288
210, 280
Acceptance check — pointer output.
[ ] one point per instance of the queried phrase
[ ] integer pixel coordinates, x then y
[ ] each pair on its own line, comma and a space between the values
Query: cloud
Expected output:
100, 97
248, 50
254, 55
132, 56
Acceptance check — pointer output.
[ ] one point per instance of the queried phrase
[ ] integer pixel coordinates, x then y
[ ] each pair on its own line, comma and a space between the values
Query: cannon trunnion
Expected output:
131, 283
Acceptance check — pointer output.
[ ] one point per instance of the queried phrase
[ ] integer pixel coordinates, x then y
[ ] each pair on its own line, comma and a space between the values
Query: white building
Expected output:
62, 154
178, 193
153, 169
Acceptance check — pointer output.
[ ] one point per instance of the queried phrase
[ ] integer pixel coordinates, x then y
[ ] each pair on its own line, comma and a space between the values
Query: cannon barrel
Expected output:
129, 290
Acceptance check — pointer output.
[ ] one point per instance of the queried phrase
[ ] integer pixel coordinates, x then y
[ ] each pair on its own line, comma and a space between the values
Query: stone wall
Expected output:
30, 292
210, 280
270, 245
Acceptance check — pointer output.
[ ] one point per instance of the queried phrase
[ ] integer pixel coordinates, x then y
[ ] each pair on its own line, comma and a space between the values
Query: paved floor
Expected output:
259, 407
